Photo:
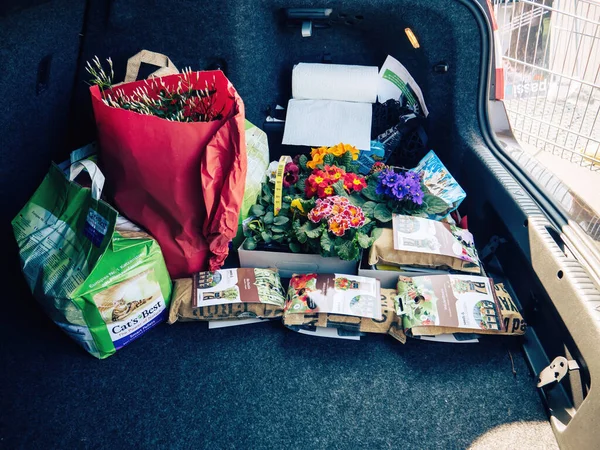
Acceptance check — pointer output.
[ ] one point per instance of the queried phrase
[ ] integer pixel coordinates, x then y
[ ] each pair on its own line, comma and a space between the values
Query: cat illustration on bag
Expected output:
123, 299
122, 309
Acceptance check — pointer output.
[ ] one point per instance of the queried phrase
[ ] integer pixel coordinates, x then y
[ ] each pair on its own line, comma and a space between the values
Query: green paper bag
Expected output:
98, 276
257, 150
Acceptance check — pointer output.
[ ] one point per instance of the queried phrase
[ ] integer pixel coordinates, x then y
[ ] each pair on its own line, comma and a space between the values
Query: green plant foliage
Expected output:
326, 243
382, 213
257, 210
328, 160
363, 240
281, 220
302, 161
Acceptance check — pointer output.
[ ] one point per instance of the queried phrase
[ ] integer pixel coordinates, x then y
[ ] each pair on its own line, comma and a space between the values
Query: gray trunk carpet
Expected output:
263, 386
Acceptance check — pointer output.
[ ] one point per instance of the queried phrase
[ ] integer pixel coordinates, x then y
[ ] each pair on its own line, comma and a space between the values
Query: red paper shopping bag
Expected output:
182, 181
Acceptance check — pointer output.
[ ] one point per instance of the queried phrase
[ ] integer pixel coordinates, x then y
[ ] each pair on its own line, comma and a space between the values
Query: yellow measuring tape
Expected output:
279, 182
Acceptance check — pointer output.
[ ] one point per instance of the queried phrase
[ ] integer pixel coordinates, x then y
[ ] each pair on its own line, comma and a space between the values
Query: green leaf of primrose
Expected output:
376, 233
294, 247
353, 167
301, 234
265, 236
346, 250
355, 252
382, 213
249, 244
369, 208
329, 159
314, 233
346, 159
326, 243
280, 220
302, 161
268, 218
357, 200
338, 188
371, 193
257, 210
363, 240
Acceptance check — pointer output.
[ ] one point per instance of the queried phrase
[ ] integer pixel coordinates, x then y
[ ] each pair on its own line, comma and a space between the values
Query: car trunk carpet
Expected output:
262, 386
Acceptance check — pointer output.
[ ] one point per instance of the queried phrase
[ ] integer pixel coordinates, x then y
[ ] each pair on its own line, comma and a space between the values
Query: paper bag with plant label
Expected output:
418, 242
350, 323
228, 294
431, 305
98, 276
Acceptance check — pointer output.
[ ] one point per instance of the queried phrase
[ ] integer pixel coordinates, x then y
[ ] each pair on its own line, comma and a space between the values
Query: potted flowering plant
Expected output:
396, 190
320, 210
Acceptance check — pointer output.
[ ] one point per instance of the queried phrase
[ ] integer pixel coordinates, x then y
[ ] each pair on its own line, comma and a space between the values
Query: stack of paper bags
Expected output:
433, 305
345, 302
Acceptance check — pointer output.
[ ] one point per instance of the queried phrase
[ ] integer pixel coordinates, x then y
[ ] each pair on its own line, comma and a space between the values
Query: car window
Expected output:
550, 56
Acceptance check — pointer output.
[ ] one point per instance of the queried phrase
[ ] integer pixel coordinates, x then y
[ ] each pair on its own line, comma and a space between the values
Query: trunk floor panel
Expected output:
263, 386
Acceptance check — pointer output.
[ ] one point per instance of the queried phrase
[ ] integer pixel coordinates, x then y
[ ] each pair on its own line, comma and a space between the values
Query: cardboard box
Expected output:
289, 263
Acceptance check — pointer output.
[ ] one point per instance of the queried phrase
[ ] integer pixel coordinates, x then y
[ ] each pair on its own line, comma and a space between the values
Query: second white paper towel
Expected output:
328, 122
335, 82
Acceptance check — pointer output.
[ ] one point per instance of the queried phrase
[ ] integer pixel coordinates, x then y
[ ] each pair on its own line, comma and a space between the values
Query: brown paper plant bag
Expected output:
196, 300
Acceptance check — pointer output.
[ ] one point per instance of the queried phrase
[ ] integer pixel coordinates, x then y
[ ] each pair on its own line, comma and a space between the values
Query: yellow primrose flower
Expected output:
317, 159
297, 204
317, 155
353, 151
318, 150
337, 150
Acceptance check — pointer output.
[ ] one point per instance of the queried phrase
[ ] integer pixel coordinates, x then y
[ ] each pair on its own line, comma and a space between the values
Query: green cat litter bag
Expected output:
98, 276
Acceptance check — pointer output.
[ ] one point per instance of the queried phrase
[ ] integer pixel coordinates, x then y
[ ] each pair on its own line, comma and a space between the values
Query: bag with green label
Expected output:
98, 276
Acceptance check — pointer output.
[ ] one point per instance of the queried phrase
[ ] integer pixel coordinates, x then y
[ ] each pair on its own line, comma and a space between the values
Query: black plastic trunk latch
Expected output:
307, 18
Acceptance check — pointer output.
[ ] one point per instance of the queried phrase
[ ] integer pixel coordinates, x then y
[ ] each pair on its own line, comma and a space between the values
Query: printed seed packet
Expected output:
228, 294
347, 295
366, 159
239, 286
419, 242
440, 183
431, 305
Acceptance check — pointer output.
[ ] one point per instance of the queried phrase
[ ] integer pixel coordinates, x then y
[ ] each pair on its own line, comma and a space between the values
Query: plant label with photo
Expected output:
334, 293
228, 286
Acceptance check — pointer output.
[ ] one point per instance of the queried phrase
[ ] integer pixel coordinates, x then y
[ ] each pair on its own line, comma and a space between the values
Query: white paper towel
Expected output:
335, 82
328, 122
